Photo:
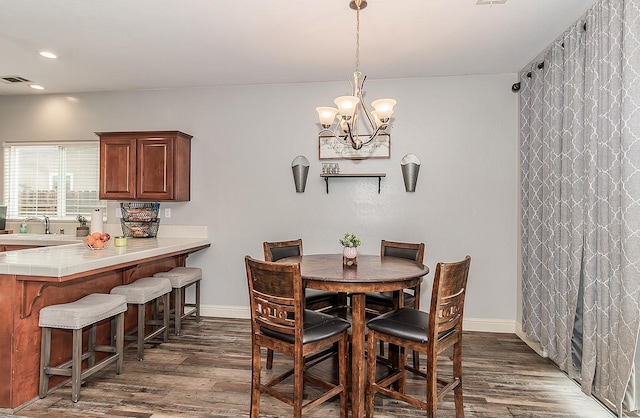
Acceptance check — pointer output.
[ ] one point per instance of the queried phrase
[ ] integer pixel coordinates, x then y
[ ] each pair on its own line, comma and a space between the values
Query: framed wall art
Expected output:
330, 148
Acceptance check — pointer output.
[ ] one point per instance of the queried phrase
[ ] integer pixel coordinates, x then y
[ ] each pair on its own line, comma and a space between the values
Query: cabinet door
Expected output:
117, 168
145, 165
154, 174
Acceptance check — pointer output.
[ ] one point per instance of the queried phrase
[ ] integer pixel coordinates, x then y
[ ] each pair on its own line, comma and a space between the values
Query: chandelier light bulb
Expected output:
384, 108
347, 106
326, 115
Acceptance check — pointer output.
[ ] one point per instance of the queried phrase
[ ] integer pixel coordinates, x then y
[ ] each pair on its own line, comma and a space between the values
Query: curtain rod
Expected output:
516, 86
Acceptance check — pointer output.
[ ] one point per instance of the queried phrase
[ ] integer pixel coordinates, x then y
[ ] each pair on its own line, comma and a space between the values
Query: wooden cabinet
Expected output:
150, 165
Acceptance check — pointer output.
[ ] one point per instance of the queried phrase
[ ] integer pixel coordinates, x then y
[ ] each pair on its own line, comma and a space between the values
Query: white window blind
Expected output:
59, 181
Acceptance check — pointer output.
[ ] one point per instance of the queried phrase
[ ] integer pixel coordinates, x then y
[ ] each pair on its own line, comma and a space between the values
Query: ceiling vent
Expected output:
12, 79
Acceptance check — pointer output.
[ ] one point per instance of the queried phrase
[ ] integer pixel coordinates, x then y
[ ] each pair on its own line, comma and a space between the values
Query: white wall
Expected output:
464, 130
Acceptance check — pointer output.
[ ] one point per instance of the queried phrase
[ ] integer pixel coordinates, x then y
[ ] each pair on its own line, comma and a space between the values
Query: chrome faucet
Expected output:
44, 222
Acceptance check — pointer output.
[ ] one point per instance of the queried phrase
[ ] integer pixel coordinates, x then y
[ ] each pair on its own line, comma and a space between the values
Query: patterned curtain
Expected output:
580, 191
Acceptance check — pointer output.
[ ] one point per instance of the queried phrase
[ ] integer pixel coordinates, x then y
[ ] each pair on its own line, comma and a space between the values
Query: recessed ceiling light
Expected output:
36, 86
48, 54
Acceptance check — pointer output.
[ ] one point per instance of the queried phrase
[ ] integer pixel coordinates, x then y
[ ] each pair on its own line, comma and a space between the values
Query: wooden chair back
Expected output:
447, 301
276, 297
406, 250
277, 250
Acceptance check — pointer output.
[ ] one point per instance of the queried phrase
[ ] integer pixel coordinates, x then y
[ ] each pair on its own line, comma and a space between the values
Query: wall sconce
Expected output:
300, 168
410, 167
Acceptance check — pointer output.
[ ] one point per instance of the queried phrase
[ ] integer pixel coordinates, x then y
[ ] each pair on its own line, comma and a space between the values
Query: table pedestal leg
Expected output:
358, 363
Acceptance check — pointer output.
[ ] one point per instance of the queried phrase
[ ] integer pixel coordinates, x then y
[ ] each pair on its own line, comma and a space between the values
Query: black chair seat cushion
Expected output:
313, 296
408, 324
386, 299
317, 326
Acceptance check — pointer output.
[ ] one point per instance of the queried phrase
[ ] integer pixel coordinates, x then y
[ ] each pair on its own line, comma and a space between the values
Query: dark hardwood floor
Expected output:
206, 372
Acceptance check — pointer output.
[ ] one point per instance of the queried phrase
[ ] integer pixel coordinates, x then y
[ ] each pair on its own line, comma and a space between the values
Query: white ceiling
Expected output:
148, 44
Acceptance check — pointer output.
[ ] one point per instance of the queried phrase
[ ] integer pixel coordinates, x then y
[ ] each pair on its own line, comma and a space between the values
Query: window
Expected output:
59, 181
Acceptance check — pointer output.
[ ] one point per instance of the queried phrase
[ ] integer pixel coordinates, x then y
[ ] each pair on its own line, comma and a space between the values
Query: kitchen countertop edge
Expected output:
68, 259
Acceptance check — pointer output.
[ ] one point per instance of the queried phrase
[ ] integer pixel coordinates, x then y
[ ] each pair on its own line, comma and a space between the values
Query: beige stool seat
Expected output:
181, 278
139, 293
88, 311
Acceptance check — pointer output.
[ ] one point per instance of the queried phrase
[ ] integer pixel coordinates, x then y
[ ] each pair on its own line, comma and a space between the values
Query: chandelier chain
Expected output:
357, 36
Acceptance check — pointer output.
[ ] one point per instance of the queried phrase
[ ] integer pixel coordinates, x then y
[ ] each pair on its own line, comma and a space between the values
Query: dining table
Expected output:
372, 273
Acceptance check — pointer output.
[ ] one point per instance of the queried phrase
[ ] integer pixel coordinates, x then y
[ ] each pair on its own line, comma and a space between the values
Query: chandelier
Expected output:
351, 109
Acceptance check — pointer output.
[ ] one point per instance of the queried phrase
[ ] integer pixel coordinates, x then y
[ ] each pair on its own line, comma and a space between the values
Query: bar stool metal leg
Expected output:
91, 346
140, 333
76, 367
45, 355
178, 308
166, 301
119, 342
198, 301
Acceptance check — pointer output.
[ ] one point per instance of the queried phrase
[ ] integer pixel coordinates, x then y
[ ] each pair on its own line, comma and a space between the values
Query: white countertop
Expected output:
72, 258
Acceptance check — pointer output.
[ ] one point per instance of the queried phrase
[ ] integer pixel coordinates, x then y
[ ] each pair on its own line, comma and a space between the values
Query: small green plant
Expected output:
350, 240
82, 220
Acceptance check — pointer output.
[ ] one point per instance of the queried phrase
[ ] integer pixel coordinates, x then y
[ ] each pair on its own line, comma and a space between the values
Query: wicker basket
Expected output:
140, 229
140, 212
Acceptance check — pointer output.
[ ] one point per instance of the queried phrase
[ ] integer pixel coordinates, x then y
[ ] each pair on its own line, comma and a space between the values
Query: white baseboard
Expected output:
489, 325
535, 345
470, 324
225, 311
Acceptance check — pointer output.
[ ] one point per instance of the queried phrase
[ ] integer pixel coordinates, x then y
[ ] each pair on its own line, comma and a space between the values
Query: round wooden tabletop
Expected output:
372, 273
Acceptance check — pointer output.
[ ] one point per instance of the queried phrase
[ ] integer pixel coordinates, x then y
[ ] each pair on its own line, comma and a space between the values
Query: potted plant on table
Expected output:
350, 242
83, 229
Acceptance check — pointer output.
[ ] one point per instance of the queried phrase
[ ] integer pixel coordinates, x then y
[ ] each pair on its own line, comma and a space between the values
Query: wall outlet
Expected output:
118, 213
167, 212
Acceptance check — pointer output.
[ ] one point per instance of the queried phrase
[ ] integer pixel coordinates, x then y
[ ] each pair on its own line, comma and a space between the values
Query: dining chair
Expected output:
378, 303
430, 333
280, 322
317, 300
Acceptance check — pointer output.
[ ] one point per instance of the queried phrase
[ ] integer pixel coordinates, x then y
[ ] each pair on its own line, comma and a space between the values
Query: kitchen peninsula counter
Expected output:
34, 278
64, 262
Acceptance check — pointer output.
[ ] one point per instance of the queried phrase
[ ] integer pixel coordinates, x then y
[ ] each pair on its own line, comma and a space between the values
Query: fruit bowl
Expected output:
101, 246
97, 241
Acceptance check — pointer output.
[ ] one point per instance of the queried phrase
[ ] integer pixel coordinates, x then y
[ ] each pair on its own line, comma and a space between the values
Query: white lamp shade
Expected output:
326, 115
347, 105
384, 108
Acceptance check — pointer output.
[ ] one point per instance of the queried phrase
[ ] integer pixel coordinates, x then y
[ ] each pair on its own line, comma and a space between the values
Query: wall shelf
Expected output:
328, 176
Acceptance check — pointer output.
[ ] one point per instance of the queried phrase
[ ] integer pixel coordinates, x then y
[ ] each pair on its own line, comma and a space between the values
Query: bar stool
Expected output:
88, 311
141, 292
181, 278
